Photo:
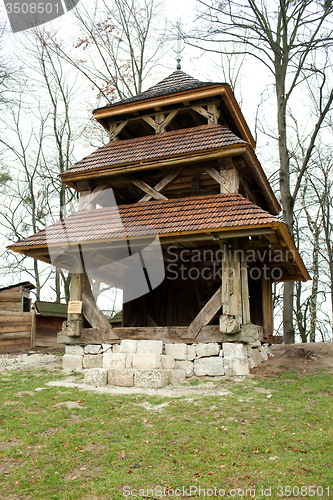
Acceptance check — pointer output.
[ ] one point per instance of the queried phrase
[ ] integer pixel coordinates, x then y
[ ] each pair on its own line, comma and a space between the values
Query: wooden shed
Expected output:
47, 323
15, 317
181, 165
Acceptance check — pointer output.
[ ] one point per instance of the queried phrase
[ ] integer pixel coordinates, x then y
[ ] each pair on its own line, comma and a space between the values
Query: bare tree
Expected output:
291, 39
118, 46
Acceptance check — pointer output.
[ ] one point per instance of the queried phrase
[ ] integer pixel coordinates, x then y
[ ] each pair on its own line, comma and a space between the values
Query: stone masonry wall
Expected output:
151, 363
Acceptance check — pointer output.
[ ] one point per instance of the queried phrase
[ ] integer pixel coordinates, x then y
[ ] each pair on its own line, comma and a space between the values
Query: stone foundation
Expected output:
151, 363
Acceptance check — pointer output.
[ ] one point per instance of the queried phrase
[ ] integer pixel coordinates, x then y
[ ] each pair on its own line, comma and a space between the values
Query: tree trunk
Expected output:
286, 201
314, 291
299, 314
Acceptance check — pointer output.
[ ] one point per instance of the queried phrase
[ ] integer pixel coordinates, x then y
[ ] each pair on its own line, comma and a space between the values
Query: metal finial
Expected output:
179, 44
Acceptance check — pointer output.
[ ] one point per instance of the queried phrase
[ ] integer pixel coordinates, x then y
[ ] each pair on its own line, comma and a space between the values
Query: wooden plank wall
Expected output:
15, 325
47, 328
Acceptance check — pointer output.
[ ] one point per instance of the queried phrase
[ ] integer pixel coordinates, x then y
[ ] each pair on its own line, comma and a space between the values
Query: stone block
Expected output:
128, 346
234, 350
92, 349
177, 376
114, 360
129, 360
213, 366
167, 362
149, 346
258, 356
252, 363
206, 350
96, 376
265, 351
122, 378
72, 362
151, 378
74, 350
93, 361
191, 352
187, 366
116, 348
146, 360
106, 347
248, 334
228, 324
236, 366
177, 351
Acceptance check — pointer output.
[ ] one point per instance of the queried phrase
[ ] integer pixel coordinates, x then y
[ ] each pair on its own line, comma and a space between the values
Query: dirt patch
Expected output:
302, 358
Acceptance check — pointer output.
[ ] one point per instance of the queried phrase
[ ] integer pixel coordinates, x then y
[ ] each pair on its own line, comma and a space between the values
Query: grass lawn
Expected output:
62, 443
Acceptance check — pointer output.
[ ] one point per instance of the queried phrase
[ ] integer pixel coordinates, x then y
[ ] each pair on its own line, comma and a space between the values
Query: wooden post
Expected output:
33, 328
225, 278
267, 305
235, 296
245, 286
74, 320
231, 318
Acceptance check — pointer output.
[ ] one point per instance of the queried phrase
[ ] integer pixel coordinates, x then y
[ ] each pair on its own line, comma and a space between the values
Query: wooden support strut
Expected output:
166, 181
206, 314
148, 189
95, 317
161, 122
212, 113
116, 129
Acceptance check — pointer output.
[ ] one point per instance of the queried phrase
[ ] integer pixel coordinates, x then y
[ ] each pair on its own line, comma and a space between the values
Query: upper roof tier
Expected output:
181, 91
178, 81
155, 147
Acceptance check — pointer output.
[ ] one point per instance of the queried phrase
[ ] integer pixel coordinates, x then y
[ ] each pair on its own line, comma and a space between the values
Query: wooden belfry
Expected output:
180, 163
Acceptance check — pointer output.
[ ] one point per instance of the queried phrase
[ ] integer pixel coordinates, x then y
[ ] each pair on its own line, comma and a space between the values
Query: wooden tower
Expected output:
180, 163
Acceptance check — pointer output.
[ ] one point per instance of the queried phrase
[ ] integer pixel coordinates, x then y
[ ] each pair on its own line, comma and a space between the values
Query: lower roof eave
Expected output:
41, 252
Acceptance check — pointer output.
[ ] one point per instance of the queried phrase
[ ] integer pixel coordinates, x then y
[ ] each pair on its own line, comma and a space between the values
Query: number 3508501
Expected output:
31, 8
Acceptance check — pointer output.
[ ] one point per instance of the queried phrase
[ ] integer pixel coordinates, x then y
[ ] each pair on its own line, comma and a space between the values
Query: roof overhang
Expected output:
276, 230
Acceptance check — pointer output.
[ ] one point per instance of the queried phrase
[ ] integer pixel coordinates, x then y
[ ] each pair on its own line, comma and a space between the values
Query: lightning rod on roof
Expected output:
179, 44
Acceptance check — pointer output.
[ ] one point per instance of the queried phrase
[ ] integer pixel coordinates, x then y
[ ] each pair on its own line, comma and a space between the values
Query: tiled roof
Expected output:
178, 81
162, 217
157, 146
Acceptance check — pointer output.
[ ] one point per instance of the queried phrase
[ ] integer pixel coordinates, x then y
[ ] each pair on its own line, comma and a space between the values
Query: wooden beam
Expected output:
33, 329
92, 314
150, 121
168, 334
87, 199
235, 308
202, 111
74, 321
215, 175
206, 314
213, 109
165, 182
116, 129
267, 306
169, 118
148, 189
246, 316
230, 181
225, 294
